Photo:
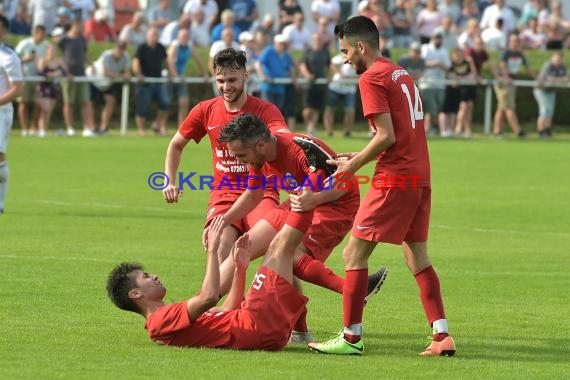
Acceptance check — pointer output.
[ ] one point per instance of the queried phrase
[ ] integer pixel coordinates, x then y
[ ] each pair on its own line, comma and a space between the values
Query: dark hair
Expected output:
120, 283
247, 128
229, 59
40, 27
4, 22
359, 29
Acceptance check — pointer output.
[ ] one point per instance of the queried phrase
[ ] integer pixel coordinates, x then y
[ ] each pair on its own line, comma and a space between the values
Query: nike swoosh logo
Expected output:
359, 227
212, 127
311, 238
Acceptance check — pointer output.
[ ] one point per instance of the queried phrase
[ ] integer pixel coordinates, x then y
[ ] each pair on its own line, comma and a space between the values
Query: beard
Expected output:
360, 66
230, 98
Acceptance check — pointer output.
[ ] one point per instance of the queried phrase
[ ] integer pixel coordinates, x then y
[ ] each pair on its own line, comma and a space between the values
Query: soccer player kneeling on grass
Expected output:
263, 321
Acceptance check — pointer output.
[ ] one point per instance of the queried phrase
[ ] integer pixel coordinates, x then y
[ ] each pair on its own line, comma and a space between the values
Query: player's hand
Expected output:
215, 234
304, 202
171, 193
205, 238
343, 168
242, 253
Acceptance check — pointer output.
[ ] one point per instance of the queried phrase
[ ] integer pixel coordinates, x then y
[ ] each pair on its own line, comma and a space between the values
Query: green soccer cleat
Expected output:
338, 346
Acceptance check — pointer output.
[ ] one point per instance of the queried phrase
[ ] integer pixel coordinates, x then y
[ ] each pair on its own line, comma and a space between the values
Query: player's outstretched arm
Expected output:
241, 257
382, 140
243, 205
171, 193
210, 292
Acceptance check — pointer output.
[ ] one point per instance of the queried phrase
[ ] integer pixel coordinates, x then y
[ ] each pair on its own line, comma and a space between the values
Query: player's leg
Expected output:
280, 254
6, 117
108, 108
349, 342
430, 295
68, 95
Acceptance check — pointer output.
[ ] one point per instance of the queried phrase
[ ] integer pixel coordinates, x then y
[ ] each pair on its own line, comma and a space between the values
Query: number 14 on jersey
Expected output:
416, 108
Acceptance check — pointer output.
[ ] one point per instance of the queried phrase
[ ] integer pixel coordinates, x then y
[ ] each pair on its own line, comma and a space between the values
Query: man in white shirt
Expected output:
10, 88
498, 11
298, 35
437, 62
494, 37
30, 50
209, 7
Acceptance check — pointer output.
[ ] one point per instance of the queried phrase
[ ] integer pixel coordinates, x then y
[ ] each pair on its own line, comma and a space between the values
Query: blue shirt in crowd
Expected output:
275, 65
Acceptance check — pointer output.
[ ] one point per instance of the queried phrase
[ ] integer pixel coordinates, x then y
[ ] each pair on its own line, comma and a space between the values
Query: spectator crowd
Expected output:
444, 39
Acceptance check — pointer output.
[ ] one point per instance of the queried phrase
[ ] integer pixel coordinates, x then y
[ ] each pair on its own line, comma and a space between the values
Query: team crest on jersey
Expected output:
290, 180
398, 73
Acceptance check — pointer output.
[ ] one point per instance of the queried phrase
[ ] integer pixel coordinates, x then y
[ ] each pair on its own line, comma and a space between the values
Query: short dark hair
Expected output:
40, 27
247, 128
4, 22
229, 59
120, 283
359, 28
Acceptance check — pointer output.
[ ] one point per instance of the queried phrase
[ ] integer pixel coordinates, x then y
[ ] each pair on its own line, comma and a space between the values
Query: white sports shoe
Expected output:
88, 133
70, 131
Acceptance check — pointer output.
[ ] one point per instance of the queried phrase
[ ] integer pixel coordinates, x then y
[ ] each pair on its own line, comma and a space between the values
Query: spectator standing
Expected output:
552, 72
114, 65
199, 29
150, 59
179, 54
82, 9
19, 25
461, 96
449, 38
450, 8
467, 37
53, 69
228, 20
402, 21
44, 12
30, 50
469, 11
275, 63
266, 25
298, 35
64, 19
330, 9
169, 33
245, 12
498, 11
531, 37
437, 63
428, 20
227, 41
209, 7
74, 49
161, 15
10, 88
326, 36
134, 33
494, 37
314, 66
341, 93
287, 11
97, 28
556, 35
413, 62
124, 12
509, 66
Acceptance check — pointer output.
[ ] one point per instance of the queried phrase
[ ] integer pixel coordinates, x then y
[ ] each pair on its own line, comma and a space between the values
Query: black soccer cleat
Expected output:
375, 281
316, 156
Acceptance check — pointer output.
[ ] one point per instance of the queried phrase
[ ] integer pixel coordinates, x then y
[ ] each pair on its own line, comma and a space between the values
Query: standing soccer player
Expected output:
398, 211
208, 118
10, 88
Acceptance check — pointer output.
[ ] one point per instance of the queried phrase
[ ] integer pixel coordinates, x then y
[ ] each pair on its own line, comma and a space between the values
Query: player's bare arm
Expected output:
13, 92
241, 257
171, 193
308, 199
243, 205
210, 292
382, 140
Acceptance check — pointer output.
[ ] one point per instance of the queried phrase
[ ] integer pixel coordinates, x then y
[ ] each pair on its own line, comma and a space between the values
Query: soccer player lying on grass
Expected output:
262, 322
312, 222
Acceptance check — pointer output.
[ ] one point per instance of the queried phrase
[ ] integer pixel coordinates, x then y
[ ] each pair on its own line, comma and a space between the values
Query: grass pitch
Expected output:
499, 239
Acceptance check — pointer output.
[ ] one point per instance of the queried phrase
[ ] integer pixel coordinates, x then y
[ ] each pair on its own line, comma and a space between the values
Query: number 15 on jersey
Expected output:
416, 108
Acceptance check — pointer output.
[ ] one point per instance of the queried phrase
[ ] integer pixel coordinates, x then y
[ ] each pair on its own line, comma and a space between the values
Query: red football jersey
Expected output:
387, 88
290, 170
209, 117
171, 325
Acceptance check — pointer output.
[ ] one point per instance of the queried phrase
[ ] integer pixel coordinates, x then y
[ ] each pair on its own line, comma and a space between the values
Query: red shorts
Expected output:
220, 202
271, 308
394, 215
331, 222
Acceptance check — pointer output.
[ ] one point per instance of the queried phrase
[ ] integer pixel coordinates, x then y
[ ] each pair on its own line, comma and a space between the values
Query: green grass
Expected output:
76, 207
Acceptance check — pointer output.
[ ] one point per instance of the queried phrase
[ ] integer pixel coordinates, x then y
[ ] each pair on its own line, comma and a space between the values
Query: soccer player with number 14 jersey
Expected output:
396, 215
